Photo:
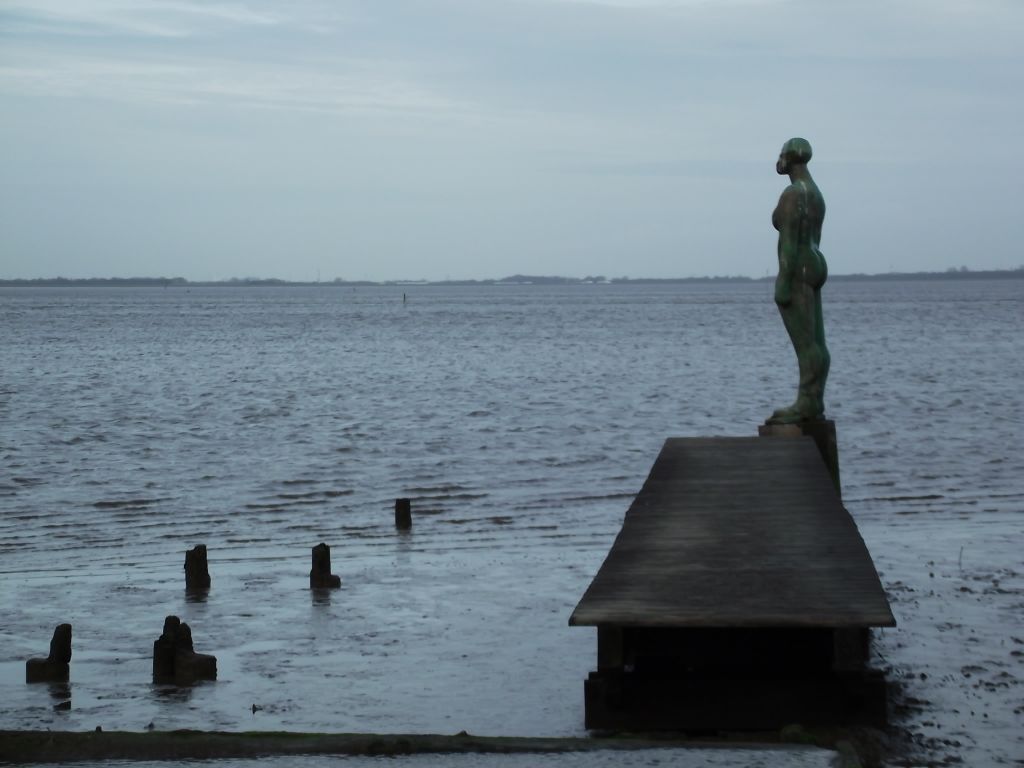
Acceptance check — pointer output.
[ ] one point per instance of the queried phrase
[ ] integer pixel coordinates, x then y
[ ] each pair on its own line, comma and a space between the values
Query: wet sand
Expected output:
521, 423
404, 642
956, 659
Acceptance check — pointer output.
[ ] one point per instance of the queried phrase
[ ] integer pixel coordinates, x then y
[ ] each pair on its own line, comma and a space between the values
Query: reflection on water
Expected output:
59, 691
321, 596
196, 595
172, 694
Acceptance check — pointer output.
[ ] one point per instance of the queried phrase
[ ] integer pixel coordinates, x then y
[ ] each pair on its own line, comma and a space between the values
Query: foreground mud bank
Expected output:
67, 746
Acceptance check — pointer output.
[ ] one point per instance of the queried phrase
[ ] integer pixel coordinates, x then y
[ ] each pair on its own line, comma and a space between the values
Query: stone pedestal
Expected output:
824, 433
55, 668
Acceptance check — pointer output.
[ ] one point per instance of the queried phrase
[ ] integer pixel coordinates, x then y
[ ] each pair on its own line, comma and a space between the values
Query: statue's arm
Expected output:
790, 217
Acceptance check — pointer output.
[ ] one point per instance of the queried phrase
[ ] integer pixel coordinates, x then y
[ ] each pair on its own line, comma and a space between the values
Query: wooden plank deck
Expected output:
737, 532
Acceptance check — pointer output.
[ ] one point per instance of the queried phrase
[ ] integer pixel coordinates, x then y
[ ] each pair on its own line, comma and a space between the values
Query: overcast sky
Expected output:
389, 139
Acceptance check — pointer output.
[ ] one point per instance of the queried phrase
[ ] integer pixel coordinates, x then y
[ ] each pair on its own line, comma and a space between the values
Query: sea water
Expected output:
520, 420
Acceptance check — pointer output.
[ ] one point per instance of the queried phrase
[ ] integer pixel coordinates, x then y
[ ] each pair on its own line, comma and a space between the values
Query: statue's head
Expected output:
796, 151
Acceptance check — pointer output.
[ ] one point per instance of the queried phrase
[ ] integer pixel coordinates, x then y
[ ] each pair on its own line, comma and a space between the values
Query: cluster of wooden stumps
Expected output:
174, 658
197, 572
738, 595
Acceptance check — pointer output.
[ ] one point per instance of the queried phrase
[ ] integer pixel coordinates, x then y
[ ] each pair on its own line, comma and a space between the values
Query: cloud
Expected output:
671, 4
227, 55
336, 86
155, 18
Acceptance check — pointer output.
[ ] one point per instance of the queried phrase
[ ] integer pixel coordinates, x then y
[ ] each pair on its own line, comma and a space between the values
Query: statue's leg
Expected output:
823, 360
801, 317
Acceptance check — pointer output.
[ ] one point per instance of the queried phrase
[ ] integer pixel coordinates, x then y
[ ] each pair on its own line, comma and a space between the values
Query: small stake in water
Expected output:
55, 668
197, 575
320, 576
403, 514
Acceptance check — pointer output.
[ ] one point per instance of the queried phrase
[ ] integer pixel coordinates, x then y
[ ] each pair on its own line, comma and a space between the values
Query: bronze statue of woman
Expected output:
802, 271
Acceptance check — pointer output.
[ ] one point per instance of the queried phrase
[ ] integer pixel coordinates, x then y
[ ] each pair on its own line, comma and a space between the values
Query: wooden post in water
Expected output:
55, 667
175, 659
189, 666
163, 651
403, 514
320, 576
197, 574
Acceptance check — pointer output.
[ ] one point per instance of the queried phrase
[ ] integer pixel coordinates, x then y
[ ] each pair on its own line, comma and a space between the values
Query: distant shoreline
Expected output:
518, 280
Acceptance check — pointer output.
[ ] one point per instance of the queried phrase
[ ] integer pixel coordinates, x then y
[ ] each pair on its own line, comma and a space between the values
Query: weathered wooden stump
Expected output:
56, 666
403, 514
320, 576
174, 657
163, 651
197, 574
190, 666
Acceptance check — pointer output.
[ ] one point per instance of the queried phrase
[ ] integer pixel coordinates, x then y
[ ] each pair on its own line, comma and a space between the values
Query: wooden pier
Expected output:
737, 596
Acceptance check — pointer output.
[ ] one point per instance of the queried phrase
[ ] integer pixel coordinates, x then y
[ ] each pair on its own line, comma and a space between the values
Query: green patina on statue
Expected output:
802, 271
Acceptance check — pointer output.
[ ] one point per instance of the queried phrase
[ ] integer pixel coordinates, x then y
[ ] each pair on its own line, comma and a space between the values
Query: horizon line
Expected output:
517, 279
